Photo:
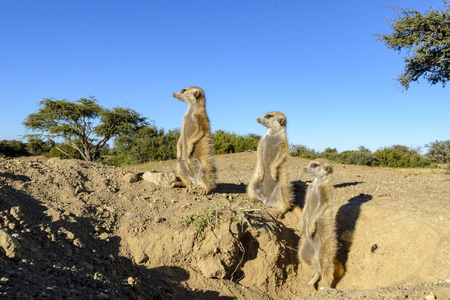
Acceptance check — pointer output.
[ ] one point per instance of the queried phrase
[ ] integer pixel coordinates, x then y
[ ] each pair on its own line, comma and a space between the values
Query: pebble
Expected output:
78, 243
130, 178
430, 296
10, 245
131, 281
16, 212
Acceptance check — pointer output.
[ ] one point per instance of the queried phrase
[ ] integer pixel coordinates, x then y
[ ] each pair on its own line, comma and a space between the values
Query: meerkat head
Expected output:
191, 95
319, 167
273, 120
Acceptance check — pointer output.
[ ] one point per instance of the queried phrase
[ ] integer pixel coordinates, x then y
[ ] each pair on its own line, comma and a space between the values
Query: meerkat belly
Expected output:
270, 153
312, 204
189, 126
187, 131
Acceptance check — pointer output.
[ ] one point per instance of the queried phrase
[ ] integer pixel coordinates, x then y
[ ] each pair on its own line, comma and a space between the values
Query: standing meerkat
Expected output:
194, 148
318, 242
270, 184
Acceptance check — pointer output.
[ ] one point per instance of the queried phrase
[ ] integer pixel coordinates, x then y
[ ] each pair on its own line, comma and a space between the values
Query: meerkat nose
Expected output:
257, 120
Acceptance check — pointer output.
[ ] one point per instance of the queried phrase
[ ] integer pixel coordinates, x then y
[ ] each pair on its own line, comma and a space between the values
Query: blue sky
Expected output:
318, 62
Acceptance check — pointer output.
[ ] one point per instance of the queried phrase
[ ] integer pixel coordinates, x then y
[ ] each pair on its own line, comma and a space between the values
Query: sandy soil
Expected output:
76, 230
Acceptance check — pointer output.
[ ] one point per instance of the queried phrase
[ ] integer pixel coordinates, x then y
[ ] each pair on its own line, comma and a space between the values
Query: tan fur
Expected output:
318, 241
270, 183
194, 148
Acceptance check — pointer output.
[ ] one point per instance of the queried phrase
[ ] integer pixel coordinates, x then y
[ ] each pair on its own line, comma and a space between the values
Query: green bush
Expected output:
13, 148
330, 154
36, 146
225, 142
146, 144
69, 152
363, 158
401, 157
302, 151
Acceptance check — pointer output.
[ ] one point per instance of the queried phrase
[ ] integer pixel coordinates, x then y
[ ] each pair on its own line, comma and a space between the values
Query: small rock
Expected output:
4, 279
130, 178
212, 268
131, 281
78, 243
430, 296
141, 257
12, 225
70, 235
103, 236
10, 245
161, 178
16, 212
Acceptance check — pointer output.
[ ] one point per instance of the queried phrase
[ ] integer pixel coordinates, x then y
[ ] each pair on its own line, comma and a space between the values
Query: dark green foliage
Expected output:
83, 125
364, 158
225, 142
330, 154
36, 146
13, 148
302, 151
439, 151
426, 38
396, 156
401, 157
64, 151
146, 144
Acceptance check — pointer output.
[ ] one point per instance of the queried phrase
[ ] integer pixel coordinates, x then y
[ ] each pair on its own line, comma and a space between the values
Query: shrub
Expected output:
358, 158
302, 151
13, 148
330, 154
225, 142
36, 146
401, 157
68, 152
146, 144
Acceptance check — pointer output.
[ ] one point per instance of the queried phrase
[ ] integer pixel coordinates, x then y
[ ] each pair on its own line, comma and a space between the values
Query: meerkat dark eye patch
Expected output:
183, 90
314, 165
269, 116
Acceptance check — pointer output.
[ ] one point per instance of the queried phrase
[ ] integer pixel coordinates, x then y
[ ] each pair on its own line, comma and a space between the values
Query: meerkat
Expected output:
270, 183
194, 148
318, 241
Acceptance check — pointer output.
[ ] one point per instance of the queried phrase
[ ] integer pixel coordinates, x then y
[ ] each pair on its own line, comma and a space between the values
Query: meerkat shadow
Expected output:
230, 188
346, 219
346, 184
299, 191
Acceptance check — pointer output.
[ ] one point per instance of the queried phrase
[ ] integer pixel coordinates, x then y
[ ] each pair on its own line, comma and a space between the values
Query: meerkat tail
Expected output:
339, 270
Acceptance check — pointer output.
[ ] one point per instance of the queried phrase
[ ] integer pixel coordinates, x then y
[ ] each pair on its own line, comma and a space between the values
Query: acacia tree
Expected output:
426, 37
439, 150
84, 125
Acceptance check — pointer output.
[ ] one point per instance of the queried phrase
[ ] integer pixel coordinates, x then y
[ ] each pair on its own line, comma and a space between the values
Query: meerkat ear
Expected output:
328, 169
282, 121
197, 94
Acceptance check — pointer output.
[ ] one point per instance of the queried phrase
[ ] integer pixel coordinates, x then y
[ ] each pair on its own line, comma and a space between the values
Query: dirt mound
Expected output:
85, 230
